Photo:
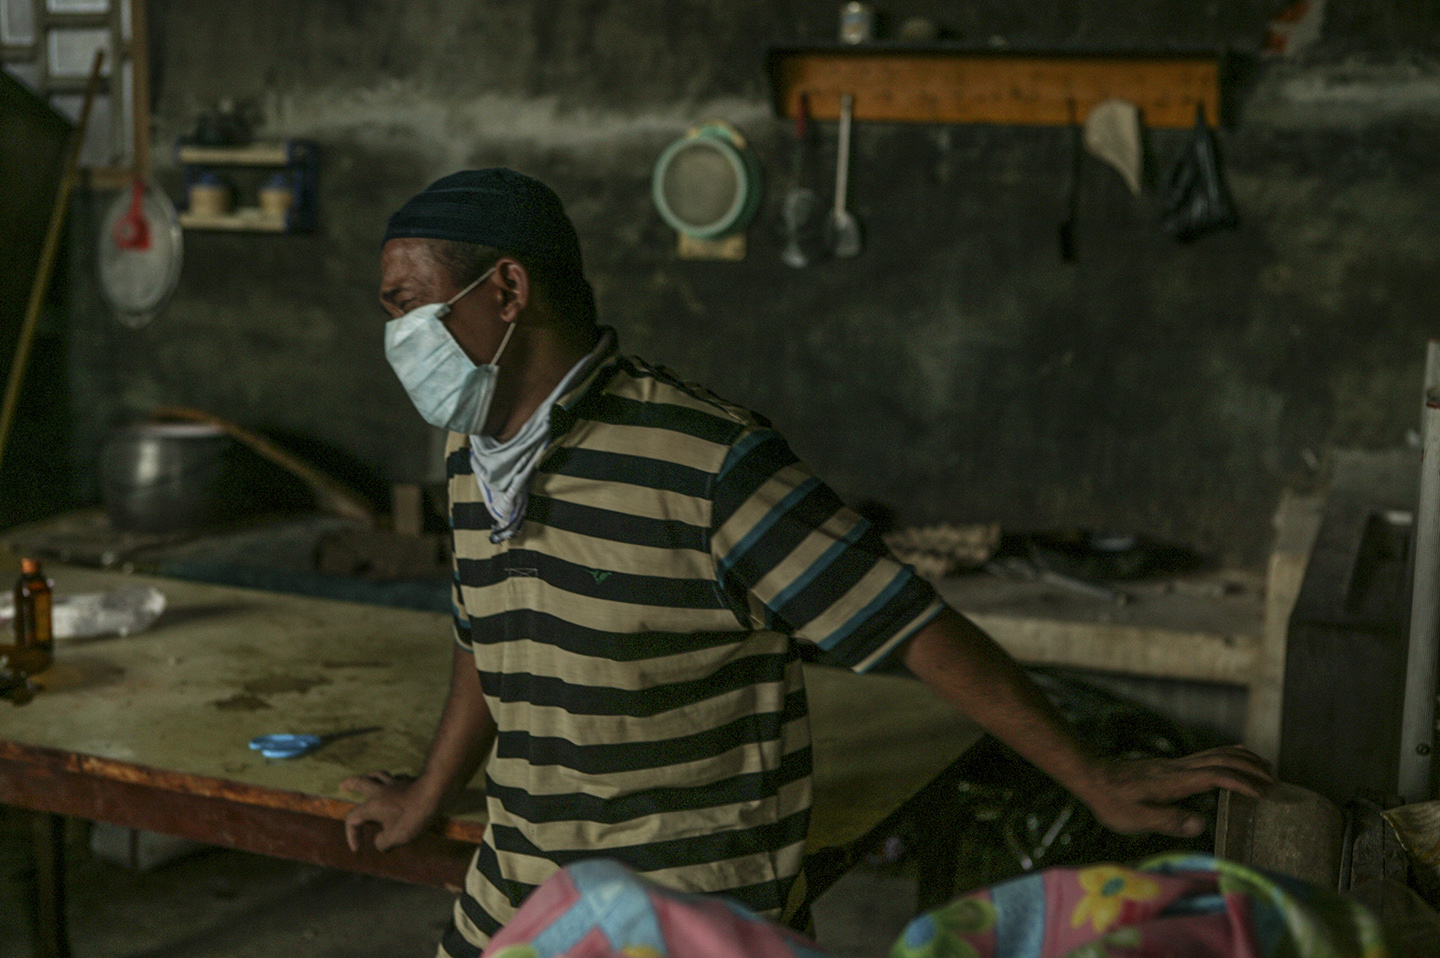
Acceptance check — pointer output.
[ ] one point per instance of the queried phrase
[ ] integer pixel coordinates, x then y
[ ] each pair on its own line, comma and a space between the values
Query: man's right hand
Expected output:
391, 801
401, 805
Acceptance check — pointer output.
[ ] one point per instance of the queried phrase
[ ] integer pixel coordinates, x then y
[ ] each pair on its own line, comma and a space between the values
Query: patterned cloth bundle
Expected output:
1194, 906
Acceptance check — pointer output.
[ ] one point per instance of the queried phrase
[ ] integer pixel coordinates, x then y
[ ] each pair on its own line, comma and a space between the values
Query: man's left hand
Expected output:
1139, 795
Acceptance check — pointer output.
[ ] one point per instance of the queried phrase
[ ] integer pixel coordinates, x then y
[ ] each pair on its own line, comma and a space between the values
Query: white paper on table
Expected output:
122, 611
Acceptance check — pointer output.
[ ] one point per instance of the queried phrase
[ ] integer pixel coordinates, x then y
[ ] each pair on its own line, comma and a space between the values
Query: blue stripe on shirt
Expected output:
742, 448
775, 514
864, 615
820, 565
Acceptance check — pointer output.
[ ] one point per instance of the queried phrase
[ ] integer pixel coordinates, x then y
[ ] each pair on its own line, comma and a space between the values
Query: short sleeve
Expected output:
795, 559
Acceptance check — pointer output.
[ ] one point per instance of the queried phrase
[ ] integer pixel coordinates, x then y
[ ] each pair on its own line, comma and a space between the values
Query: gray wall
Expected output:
957, 370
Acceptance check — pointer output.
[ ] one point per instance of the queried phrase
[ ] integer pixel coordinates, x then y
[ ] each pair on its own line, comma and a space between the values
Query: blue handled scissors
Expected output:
295, 744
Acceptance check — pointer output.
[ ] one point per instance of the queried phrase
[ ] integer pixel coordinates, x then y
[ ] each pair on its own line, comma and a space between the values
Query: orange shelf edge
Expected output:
999, 87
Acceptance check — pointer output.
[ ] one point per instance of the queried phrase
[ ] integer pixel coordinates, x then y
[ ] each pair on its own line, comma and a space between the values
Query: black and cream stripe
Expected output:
635, 644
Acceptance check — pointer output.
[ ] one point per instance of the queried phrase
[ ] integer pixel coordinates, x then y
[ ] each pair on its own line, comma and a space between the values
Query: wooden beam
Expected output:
1297, 520
1045, 89
301, 832
140, 88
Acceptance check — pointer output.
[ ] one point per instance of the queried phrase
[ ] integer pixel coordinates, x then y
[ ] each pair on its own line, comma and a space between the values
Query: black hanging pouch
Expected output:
1196, 198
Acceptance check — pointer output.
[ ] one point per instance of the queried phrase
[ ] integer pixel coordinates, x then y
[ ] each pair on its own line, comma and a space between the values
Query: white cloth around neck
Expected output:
503, 469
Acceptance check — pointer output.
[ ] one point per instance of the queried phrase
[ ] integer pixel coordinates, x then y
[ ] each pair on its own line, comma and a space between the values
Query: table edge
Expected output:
204, 786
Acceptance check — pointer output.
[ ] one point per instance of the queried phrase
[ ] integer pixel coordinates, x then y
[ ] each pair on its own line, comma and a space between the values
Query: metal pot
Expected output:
167, 477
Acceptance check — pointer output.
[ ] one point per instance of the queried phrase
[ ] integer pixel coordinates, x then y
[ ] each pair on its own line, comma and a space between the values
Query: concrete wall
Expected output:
957, 370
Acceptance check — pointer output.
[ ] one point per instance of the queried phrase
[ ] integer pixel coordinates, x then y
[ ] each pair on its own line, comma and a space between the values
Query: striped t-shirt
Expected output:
635, 644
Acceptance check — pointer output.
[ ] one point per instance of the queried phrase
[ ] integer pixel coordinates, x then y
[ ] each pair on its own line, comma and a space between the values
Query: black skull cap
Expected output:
494, 207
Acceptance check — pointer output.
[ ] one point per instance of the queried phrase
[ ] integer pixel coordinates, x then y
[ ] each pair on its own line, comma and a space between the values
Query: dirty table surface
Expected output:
166, 716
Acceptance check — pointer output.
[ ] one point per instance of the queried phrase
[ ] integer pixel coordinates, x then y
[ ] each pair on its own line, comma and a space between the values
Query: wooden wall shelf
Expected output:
898, 83
297, 158
249, 219
255, 154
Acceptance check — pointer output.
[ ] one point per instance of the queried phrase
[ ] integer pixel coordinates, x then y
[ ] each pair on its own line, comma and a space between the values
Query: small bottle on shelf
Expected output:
34, 646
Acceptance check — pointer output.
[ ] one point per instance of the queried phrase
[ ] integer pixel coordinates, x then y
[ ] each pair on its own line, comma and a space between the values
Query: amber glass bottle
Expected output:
34, 646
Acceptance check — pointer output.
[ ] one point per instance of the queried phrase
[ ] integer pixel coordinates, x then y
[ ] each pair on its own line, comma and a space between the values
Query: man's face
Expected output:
411, 277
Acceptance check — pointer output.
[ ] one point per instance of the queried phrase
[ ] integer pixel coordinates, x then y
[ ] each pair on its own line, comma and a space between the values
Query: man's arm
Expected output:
966, 667
402, 807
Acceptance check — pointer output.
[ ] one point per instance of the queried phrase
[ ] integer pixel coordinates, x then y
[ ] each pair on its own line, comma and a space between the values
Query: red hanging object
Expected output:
132, 231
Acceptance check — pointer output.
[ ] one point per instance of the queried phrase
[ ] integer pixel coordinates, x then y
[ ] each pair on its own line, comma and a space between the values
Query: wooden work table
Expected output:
151, 731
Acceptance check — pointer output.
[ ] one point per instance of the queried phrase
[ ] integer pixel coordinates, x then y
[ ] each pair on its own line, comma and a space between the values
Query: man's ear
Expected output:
514, 282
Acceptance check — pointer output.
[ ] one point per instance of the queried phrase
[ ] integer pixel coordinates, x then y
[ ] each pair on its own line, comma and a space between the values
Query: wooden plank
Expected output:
1289, 830
56, 762
255, 154
1234, 815
1173, 635
245, 219
432, 859
1297, 519
140, 83
1345, 657
901, 86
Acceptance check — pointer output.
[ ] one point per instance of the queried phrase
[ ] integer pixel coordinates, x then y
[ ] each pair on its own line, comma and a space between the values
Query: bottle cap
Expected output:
29, 566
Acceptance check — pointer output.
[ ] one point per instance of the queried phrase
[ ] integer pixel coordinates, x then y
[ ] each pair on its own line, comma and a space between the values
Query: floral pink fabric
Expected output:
1181, 906
1178, 906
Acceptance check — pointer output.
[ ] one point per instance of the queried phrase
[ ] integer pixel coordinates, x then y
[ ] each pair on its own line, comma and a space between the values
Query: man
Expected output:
635, 561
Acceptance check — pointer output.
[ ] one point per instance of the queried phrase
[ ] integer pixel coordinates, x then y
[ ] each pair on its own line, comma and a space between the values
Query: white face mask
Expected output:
447, 389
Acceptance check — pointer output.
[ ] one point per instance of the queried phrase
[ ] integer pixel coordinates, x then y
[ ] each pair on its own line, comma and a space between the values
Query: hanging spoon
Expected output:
842, 228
